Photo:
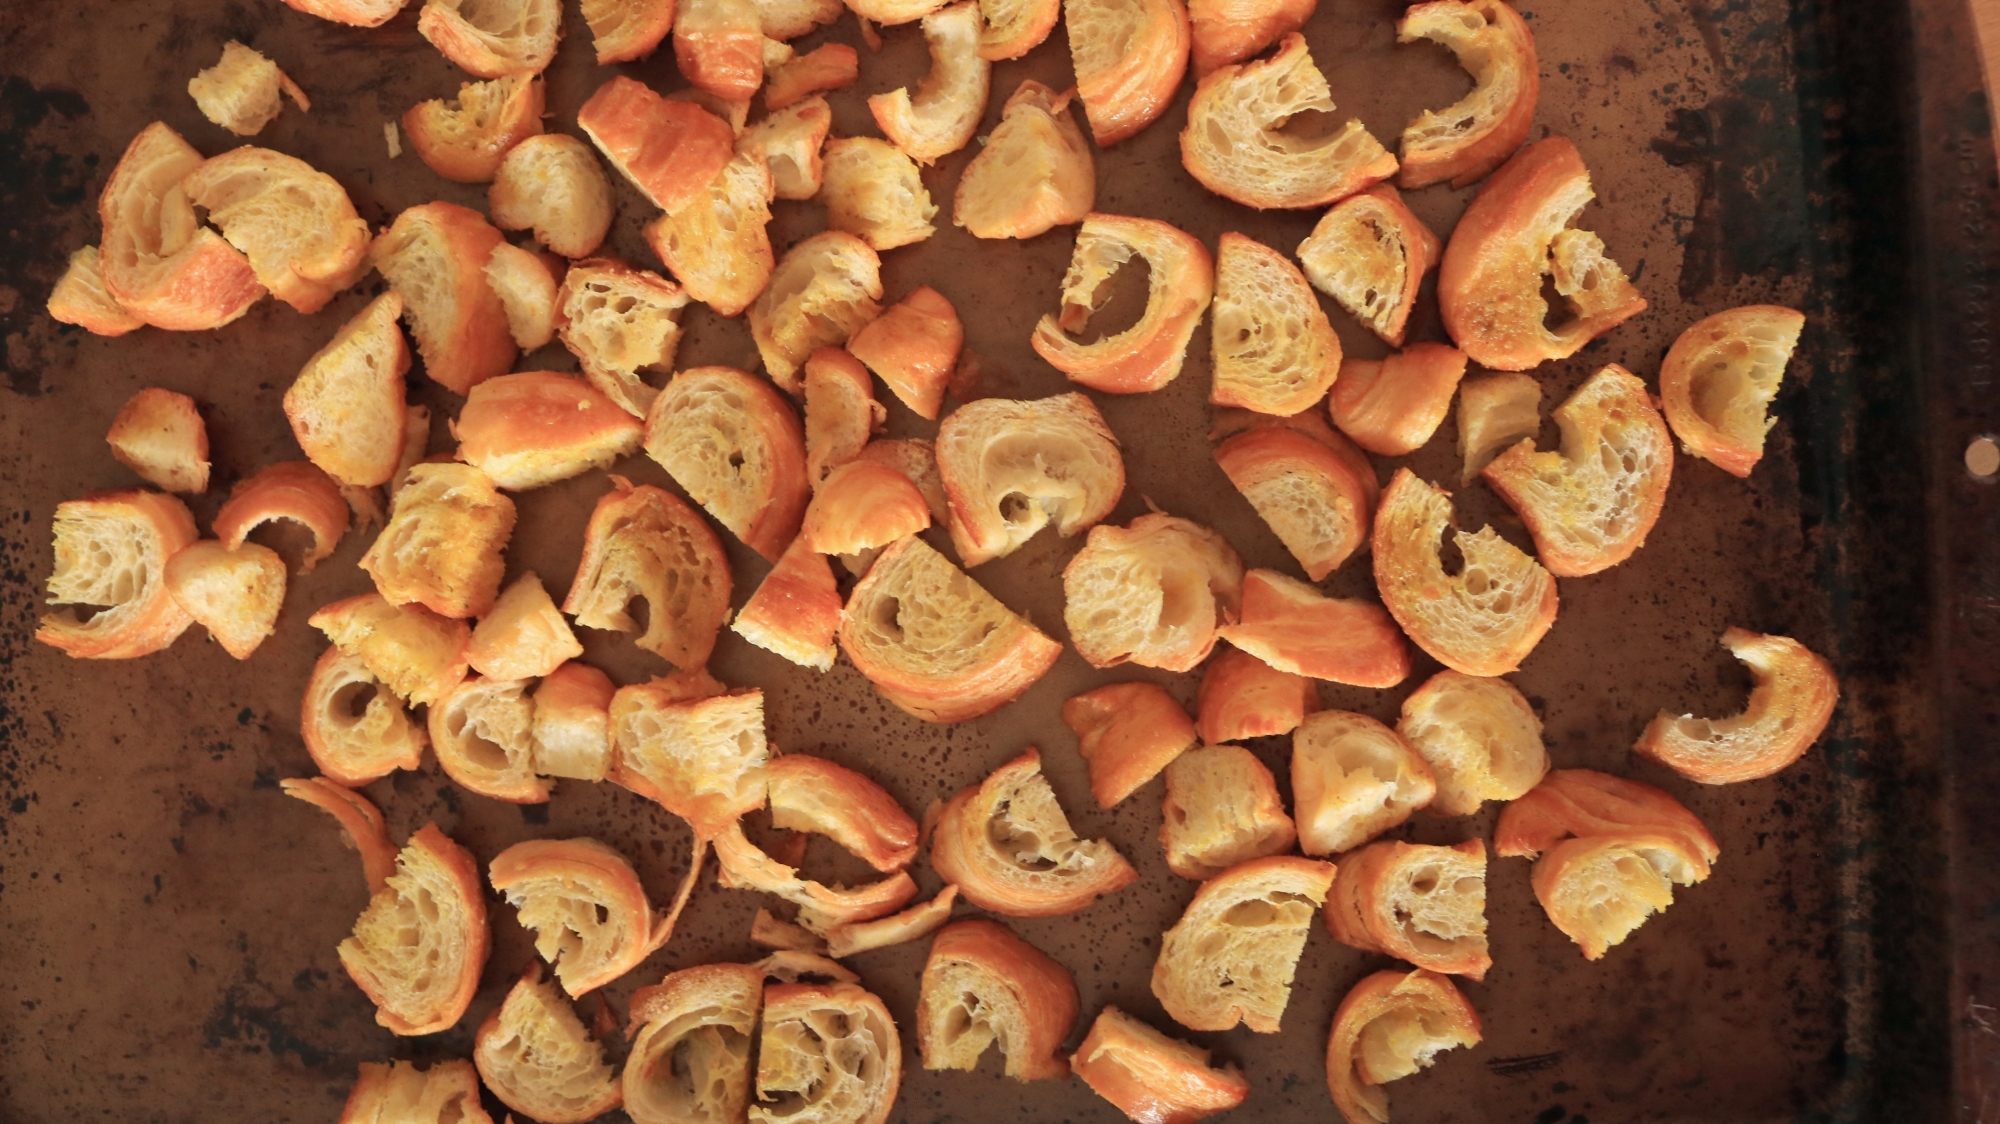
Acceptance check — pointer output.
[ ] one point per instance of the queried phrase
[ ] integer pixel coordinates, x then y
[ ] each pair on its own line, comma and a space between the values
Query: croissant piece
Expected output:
734, 443
494, 40
828, 1054
827, 67
583, 900
1391, 1025
536, 1056
1244, 697
984, 986
824, 289
418, 949
240, 92
468, 138
717, 245
400, 1093
292, 221
1151, 1078
1719, 378
551, 184
1791, 701
1010, 468
1472, 136
1035, 171
914, 923
875, 192
914, 347
571, 733
414, 652
524, 637
627, 30
690, 1057
1392, 406
297, 491
1419, 903
1008, 847
1275, 351
841, 412
434, 256
1153, 593
1315, 499
448, 528
789, 141
1583, 803
1353, 779
1495, 413
1293, 627
233, 593
1128, 58
1180, 280
1599, 889
158, 261
483, 732
1227, 31
352, 748
815, 795
915, 458
1221, 809
346, 407
671, 150
700, 758
1012, 28
112, 552
619, 322
1480, 738
944, 113
796, 609
863, 506
1128, 732
525, 282
361, 825
80, 298
537, 427
719, 46
1370, 254
160, 435
1231, 956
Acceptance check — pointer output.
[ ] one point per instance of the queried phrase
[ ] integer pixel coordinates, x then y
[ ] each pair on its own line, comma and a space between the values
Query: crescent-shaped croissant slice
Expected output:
483, 733
734, 443
1480, 130
416, 653
1179, 283
1482, 620
821, 907
1012, 467
418, 949
467, 139
815, 795
841, 412
297, 491
1370, 254
1151, 1078
294, 222
1227, 31
1790, 704
827, 1054
448, 527
944, 112
1416, 902
914, 923
1244, 697
1393, 406
112, 551
863, 506
1719, 378
1222, 808
536, 1056
434, 256
1128, 732
354, 726
690, 1056
1353, 779
701, 758
586, 906
1391, 1025
1273, 347
400, 1093
1600, 888
1480, 737
493, 40
361, 825
1128, 58
1231, 956
158, 261
982, 986
537, 427
1293, 627
1583, 803
1153, 593
1008, 847
645, 542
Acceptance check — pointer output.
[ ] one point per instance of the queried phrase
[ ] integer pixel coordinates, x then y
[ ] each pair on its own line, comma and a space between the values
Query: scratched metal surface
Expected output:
170, 919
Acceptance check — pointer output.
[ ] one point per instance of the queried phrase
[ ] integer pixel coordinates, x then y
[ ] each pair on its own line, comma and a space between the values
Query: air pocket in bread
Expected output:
1153, 593
468, 138
1370, 254
827, 1054
620, 322
670, 150
1719, 378
1128, 732
158, 261
353, 724
434, 256
1392, 406
495, 38
536, 1056
717, 246
1391, 1025
1419, 903
112, 551
234, 593
1008, 847
1180, 280
1231, 956
1791, 701
418, 654
734, 443
983, 986
1475, 134
482, 732
1353, 779
80, 298
554, 186
1480, 738
1010, 468
418, 949
1293, 627
591, 919
1244, 697
643, 542
824, 289
1275, 351
1222, 808
1151, 1078
1129, 58
160, 435
1035, 171
789, 141
294, 491
914, 347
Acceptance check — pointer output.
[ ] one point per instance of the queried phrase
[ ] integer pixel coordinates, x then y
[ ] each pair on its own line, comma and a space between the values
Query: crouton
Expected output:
1034, 173
1152, 593
434, 256
620, 322
534, 428
1147, 355
552, 184
112, 551
873, 191
467, 139
732, 441
346, 406
914, 347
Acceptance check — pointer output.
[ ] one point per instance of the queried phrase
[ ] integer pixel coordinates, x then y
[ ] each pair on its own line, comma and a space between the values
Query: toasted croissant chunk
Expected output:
1495, 413
494, 39
824, 289
644, 542
1476, 133
1231, 956
554, 186
1370, 254
1480, 738
1151, 1078
1392, 406
418, 949
1353, 779
717, 245
1719, 378
1010, 468
785, 20
362, 828
1275, 351
536, 1056
400, 1093
701, 758
1244, 697
1012, 28
1128, 732
353, 724
1483, 620
571, 734
796, 609
1148, 355
524, 637
827, 1054
526, 286
1129, 56
620, 321
1227, 31
984, 986
1034, 173
627, 30
360, 13
669, 149
1008, 847
1236, 145
80, 298
293, 222
874, 192
815, 795
240, 92
914, 346
112, 551
734, 443
1391, 1025
1419, 903
448, 528
583, 900
935, 642
537, 427
1591, 505
1293, 627
1152, 593
418, 654
296, 491
1513, 236
160, 435
1601, 888
841, 412
917, 459
346, 407
719, 46
945, 111
1790, 704
788, 140
1584, 802
821, 907
434, 256
233, 593
690, 1058
915, 923
158, 261
1315, 499
1221, 809
467, 139
482, 731
863, 506
830, 66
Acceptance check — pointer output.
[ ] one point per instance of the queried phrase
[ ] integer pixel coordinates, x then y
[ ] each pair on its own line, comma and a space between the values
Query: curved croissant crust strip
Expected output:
418, 949
494, 39
361, 824
1012, 28
627, 30
1480, 738
821, 907
863, 506
112, 552
400, 1093
945, 111
359, 13
1314, 499
1476, 133
1222, 808
789, 141
914, 923
1791, 701
1591, 505
790, 967
467, 139
1513, 237
816, 795
1495, 413
934, 641
1148, 355
644, 542
841, 412
351, 749
1483, 620
828, 67
1151, 1078
160, 435
537, 427
444, 544
585, 904
915, 458
1244, 697
1392, 406
1010, 468
159, 262
298, 491
1718, 380
1599, 889
876, 193
1419, 903
1152, 593
734, 443
1275, 351
1353, 779
234, 594
1227, 31
80, 298
1128, 732
294, 222
1370, 254
671, 150
1391, 1025
619, 321
796, 609
983, 986
1129, 56
1231, 956
554, 186
1009, 849
824, 289
483, 732
572, 727
1293, 627
416, 653
536, 1056
690, 1057
1584, 803
717, 246
827, 1054
1035, 171
1236, 145
914, 346
700, 758
347, 408
434, 256
719, 46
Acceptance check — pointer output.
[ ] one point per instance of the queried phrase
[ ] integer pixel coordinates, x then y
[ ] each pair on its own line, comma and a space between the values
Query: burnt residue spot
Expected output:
1526, 1063
252, 1018
1551, 1114
38, 182
537, 814
1750, 219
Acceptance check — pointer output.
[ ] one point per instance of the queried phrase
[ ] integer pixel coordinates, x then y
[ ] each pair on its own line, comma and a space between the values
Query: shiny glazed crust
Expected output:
1231, 956
1148, 355
914, 347
418, 654
158, 262
1009, 849
1475, 134
863, 506
719, 46
1153, 593
1128, 732
645, 542
585, 904
983, 986
1390, 1026
537, 427
1353, 779
1152, 1078
1226, 31
1129, 56
736, 445
1056, 455
1718, 380
815, 795
112, 551
1244, 697
670, 150
1293, 627
361, 825
1790, 704
434, 256
435, 892
443, 547
1419, 903
1222, 808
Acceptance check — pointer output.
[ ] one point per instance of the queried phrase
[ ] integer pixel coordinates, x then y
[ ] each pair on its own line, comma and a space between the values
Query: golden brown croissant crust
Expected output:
984, 985
1390, 1026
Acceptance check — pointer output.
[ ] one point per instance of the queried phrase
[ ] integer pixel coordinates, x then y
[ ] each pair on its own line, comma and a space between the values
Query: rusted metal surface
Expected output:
170, 918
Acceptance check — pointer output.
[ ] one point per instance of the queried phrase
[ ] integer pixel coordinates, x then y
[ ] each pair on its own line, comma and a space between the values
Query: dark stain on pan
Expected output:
39, 186
1747, 222
252, 1018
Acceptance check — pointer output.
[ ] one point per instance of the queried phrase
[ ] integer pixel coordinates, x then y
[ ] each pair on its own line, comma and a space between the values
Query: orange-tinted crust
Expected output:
1128, 732
797, 602
1291, 626
640, 521
1466, 163
1151, 1078
1043, 990
474, 343
296, 490
914, 347
1147, 355
361, 824
321, 708
830, 66
1226, 31
962, 836
745, 865
670, 149
587, 870
562, 419
201, 284
1137, 87
150, 625
1265, 451
1355, 910
1378, 995
1725, 335
1244, 697
861, 506
445, 150
719, 47
1584, 802
1392, 406
464, 871
1790, 704
814, 794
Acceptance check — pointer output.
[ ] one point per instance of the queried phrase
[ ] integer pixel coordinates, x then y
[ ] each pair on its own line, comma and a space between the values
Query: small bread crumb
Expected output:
394, 138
